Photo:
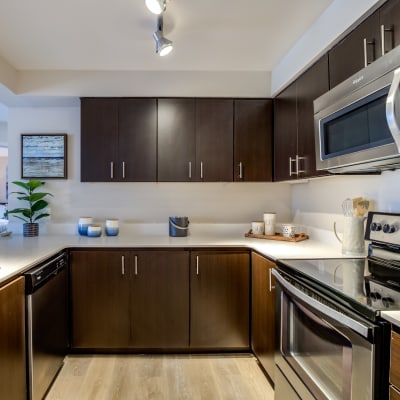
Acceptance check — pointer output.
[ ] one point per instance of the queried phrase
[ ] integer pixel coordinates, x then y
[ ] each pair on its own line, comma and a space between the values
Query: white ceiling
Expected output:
104, 35
117, 35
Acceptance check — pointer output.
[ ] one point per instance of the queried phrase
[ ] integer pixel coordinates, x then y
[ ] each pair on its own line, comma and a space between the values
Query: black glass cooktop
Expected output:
346, 279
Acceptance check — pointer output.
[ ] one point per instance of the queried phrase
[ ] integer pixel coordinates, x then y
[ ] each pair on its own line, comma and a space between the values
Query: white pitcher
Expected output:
353, 235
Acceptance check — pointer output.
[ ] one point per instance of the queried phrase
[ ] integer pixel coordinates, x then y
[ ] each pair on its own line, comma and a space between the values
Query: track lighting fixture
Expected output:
163, 45
156, 6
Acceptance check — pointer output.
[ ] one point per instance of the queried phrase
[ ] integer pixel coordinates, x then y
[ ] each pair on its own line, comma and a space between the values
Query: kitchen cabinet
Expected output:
12, 341
214, 140
219, 300
118, 139
129, 299
176, 140
160, 299
359, 48
253, 134
376, 35
294, 143
394, 365
263, 312
389, 19
100, 299
195, 140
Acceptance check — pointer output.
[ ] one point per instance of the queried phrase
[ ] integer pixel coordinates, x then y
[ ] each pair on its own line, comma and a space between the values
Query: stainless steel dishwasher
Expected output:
47, 322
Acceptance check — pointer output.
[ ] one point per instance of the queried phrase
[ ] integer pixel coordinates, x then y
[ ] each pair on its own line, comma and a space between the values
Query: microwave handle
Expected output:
390, 111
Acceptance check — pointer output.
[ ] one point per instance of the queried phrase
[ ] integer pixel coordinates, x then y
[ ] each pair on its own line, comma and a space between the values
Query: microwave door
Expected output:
393, 95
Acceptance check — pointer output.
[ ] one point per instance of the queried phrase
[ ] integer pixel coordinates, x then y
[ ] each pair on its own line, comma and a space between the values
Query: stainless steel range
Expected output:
333, 343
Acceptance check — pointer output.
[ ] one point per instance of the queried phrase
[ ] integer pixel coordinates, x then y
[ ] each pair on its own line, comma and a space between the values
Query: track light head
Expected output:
156, 6
163, 45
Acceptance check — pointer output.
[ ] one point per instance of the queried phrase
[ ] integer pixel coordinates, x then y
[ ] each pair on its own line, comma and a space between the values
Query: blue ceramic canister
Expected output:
112, 227
83, 224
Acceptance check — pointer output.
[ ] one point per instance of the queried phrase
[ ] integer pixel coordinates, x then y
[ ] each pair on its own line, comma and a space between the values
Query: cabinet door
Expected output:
99, 139
214, 140
176, 140
219, 302
389, 17
263, 338
12, 341
100, 297
253, 140
285, 133
160, 300
137, 140
312, 84
348, 56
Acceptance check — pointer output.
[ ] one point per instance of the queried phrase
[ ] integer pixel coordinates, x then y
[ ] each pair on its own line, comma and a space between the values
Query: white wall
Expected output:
137, 202
319, 201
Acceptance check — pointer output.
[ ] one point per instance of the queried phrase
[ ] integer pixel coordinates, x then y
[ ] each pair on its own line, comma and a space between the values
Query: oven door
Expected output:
323, 352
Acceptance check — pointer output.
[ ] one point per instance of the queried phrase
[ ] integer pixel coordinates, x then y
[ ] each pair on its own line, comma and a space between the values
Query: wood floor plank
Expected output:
161, 377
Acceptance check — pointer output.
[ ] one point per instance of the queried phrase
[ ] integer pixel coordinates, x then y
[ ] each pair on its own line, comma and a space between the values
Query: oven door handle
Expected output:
363, 329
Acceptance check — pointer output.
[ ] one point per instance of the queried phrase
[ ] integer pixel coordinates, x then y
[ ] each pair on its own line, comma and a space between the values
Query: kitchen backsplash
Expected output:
316, 203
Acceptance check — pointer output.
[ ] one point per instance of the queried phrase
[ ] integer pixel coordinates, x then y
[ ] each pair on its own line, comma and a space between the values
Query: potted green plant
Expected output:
36, 204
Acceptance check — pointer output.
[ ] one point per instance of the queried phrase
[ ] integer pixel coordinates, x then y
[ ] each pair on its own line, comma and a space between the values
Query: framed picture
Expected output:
44, 156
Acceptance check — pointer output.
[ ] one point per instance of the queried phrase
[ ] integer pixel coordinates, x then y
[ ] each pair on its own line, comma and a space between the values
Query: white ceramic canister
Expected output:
257, 227
83, 224
112, 227
269, 223
288, 230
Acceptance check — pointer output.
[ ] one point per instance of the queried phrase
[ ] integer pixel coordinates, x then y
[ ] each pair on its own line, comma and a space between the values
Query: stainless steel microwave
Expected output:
357, 122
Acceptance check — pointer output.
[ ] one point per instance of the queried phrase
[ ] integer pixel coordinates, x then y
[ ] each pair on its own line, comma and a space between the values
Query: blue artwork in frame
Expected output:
44, 156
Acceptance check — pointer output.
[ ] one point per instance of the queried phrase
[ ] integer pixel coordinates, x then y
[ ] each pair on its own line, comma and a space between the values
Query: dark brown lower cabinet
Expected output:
12, 341
128, 299
219, 300
100, 299
160, 300
263, 338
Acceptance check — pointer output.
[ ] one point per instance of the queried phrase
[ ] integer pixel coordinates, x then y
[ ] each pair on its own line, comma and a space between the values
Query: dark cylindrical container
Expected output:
178, 226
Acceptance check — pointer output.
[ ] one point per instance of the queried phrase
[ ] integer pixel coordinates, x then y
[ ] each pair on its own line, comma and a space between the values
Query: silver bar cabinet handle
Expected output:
298, 170
190, 170
112, 169
197, 265
383, 30
270, 280
136, 265
123, 169
291, 160
366, 43
201, 170
123, 265
240, 170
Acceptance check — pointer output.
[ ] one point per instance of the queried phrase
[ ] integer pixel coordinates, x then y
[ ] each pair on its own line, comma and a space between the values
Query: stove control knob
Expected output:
376, 227
387, 228
387, 302
375, 296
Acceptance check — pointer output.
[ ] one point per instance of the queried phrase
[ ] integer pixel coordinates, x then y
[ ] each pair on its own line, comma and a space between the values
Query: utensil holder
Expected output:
353, 235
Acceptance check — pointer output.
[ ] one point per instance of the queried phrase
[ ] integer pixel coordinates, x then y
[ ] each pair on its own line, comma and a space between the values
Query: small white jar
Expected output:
112, 227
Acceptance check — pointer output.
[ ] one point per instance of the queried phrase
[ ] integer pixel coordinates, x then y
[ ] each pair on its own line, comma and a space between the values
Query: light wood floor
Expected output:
161, 377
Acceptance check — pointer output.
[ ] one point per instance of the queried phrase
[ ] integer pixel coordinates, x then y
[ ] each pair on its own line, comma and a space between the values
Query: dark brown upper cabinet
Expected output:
376, 35
195, 140
389, 19
176, 140
118, 140
253, 133
214, 140
359, 48
294, 143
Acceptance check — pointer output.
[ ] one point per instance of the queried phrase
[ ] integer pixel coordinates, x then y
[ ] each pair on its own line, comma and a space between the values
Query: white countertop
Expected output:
18, 254
392, 316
